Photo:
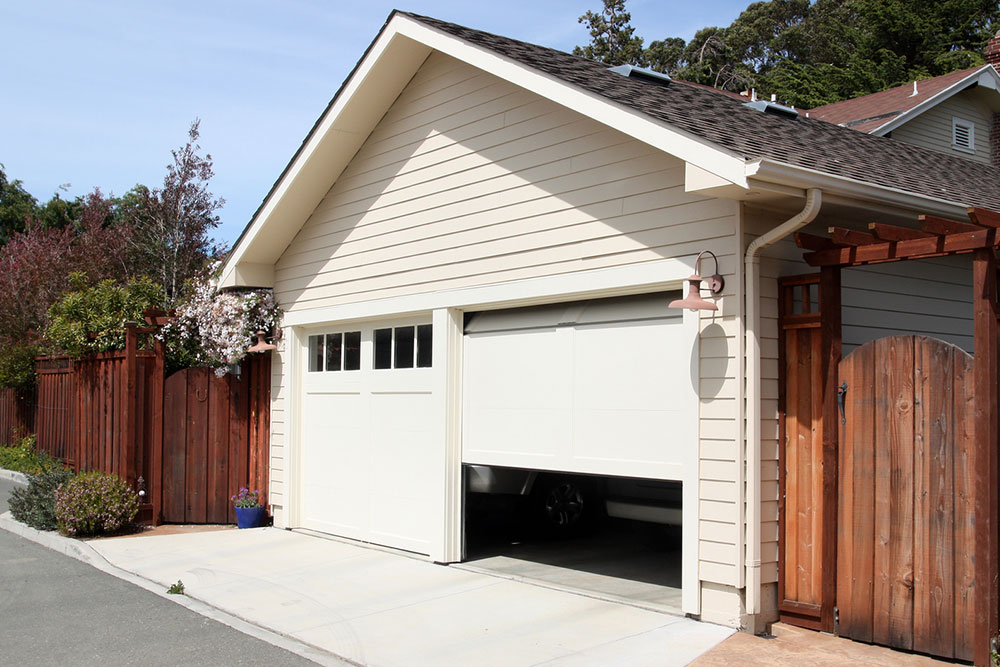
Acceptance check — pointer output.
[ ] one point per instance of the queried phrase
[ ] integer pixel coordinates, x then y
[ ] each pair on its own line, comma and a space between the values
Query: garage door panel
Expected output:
638, 438
540, 434
369, 452
628, 367
586, 393
538, 363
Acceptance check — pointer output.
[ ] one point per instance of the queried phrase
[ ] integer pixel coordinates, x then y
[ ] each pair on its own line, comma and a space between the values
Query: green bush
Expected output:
24, 457
36, 505
95, 503
91, 319
17, 367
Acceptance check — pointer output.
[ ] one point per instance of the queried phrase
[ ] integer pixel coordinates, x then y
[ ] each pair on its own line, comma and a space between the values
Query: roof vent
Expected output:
773, 107
634, 72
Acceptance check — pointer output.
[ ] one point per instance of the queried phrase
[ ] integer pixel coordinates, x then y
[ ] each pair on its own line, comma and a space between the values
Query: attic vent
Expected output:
772, 107
640, 73
963, 135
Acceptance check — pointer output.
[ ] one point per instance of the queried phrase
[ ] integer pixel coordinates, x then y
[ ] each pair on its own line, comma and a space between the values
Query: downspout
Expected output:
814, 200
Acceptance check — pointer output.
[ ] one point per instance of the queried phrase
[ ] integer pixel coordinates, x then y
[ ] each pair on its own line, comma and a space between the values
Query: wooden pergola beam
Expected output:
851, 237
808, 241
936, 225
895, 233
896, 251
984, 217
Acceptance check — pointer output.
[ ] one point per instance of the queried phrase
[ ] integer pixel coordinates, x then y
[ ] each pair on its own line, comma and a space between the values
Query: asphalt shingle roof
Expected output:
870, 112
725, 122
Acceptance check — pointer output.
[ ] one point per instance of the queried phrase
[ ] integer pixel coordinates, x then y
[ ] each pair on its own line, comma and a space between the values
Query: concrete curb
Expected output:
82, 551
13, 476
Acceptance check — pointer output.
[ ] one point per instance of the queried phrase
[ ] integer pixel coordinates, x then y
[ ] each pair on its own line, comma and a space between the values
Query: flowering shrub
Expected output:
246, 498
95, 503
222, 324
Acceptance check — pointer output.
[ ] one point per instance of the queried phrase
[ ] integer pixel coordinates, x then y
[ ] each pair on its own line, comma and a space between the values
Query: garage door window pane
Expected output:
315, 353
383, 348
352, 350
404, 347
334, 345
425, 344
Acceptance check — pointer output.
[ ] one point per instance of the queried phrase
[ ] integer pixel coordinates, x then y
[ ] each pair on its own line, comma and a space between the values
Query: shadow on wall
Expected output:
467, 168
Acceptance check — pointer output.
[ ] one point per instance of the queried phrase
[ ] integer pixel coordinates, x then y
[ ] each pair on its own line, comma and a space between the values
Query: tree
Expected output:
16, 206
612, 38
811, 53
169, 226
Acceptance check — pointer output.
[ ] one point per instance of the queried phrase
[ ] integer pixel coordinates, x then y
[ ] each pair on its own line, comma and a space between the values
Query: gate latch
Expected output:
841, 393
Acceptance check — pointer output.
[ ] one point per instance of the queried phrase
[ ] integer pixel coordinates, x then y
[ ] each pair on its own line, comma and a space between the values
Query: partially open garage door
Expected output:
603, 386
368, 435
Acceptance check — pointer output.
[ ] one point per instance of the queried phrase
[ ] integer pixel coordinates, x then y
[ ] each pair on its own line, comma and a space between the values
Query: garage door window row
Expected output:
403, 347
335, 352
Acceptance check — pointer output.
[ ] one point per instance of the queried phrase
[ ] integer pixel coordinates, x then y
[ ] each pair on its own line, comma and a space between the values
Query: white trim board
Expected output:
646, 277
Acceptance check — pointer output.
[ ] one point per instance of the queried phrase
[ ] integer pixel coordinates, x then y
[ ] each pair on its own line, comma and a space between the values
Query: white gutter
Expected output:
814, 200
764, 171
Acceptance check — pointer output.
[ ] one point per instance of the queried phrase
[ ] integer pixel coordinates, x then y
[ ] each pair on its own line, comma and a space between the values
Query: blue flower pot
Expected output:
250, 517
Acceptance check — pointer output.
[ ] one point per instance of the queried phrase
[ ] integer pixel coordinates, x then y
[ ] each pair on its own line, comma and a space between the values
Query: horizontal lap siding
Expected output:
932, 129
276, 489
468, 180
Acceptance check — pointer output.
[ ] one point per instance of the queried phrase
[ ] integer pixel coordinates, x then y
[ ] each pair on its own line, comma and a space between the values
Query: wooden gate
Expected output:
906, 538
215, 433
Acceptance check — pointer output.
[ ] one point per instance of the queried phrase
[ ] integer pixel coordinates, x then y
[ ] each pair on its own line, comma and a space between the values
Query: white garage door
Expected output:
604, 386
368, 445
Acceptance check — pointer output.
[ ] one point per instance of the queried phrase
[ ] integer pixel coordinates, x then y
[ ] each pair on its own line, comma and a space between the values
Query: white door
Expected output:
604, 387
368, 427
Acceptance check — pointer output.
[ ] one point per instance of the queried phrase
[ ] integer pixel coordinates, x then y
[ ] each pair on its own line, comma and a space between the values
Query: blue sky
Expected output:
97, 93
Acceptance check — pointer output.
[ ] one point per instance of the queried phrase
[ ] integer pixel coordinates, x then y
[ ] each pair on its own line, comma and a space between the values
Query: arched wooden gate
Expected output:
888, 468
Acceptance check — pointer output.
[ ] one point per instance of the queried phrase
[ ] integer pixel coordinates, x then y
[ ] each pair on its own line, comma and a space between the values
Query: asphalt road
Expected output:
55, 610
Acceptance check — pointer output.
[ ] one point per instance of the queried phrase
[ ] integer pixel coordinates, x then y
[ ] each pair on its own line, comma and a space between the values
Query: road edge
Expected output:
83, 552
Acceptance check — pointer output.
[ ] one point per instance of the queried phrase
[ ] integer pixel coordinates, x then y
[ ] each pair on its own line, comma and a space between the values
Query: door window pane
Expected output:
404, 347
333, 351
425, 345
352, 350
383, 348
315, 353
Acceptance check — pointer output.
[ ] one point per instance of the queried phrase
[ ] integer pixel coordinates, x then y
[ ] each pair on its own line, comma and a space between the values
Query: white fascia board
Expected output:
652, 276
768, 171
389, 65
986, 76
687, 147
401, 62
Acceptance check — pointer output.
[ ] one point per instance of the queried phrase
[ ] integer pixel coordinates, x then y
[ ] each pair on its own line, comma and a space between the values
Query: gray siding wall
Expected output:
932, 129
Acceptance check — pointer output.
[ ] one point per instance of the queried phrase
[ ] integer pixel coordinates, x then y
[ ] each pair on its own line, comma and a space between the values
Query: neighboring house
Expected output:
458, 172
955, 114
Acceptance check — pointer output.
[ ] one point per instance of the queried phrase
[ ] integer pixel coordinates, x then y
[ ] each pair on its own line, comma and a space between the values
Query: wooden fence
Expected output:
188, 442
17, 415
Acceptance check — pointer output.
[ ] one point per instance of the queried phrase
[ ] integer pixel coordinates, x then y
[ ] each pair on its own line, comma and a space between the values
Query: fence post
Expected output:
129, 442
154, 485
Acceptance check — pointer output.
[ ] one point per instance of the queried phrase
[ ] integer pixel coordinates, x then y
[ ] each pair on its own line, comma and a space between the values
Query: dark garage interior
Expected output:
611, 537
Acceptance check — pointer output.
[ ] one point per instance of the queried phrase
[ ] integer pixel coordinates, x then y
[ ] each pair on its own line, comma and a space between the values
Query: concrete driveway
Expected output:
376, 607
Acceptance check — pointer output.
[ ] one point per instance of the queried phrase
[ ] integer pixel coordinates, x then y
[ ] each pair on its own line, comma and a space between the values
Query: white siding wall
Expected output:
468, 180
932, 129
276, 495
931, 297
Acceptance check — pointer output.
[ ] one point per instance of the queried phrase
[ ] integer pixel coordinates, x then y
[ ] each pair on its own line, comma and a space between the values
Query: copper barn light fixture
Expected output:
714, 283
261, 345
